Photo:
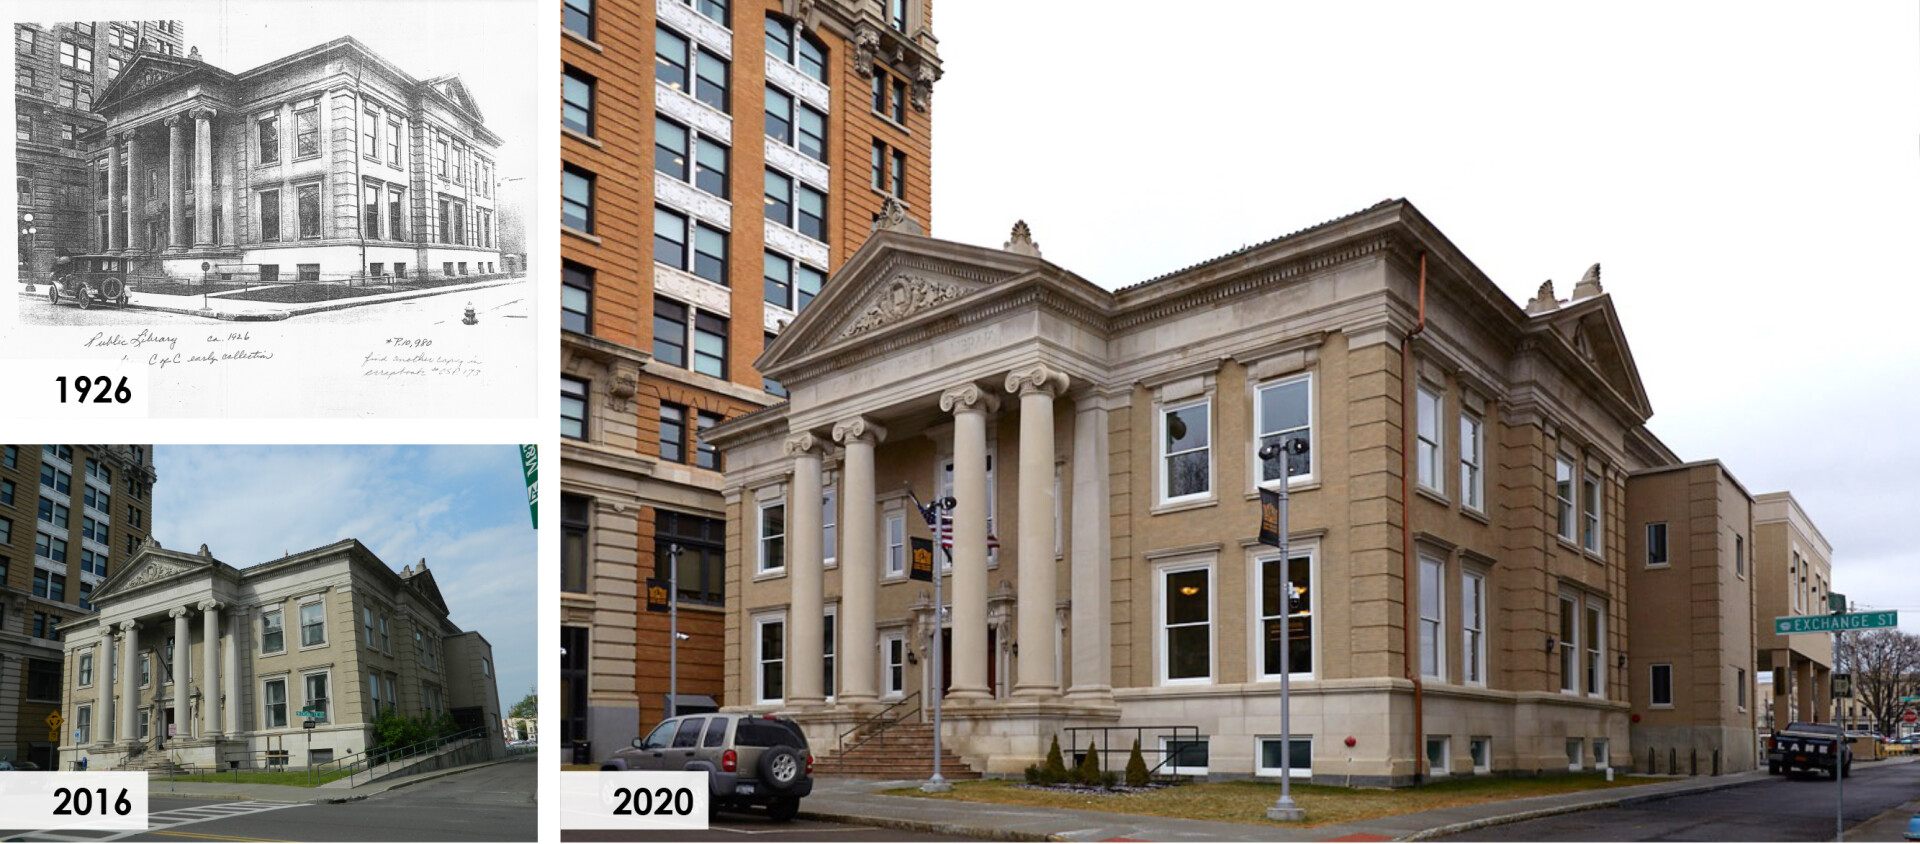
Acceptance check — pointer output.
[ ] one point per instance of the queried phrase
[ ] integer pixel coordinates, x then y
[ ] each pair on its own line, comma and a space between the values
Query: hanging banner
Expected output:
530, 464
921, 566
1269, 518
657, 589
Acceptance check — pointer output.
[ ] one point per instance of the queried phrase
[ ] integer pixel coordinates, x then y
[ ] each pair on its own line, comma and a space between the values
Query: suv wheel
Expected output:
783, 809
781, 767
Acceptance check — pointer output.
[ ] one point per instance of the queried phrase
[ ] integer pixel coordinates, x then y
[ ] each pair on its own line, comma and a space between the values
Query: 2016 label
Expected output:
99, 390
657, 801
80, 801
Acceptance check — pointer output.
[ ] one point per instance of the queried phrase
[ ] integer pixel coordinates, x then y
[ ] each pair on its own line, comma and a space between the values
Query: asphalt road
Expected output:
743, 827
494, 803
36, 310
1779, 809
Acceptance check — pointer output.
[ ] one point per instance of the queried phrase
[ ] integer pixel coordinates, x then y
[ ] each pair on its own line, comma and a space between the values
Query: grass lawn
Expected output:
299, 778
1247, 802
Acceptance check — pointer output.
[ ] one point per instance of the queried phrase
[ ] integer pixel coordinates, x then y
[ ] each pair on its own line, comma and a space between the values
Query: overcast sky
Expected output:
1744, 173
463, 508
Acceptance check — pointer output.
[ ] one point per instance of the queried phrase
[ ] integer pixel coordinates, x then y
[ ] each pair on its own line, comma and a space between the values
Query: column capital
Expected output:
210, 606
129, 626
1037, 378
859, 428
804, 443
179, 612
174, 121
968, 398
203, 113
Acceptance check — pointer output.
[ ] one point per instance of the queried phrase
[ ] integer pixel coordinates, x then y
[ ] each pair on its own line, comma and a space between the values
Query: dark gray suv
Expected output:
750, 760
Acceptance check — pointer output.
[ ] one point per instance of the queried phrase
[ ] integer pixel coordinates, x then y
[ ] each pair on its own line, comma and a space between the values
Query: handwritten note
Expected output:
164, 350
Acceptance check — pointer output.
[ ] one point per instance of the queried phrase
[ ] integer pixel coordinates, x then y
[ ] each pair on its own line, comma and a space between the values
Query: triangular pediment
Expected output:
896, 280
150, 565
423, 582
456, 92
1591, 328
148, 70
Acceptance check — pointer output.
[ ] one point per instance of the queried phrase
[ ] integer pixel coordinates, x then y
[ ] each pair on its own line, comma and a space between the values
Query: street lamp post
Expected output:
937, 784
1284, 809
673, 629
27, 231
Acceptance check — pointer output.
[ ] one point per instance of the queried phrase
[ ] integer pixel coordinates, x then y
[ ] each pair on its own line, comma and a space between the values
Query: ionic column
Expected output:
1036, 385
110, 706
203, 178
210, 679
136, 239
129, 688
116, 235
969, 406
1092, 549
230, 683
806, 662
182, 632
858, 564
176, 185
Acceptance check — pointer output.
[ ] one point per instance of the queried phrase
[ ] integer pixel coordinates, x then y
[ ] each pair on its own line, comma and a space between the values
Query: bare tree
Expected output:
1886, 667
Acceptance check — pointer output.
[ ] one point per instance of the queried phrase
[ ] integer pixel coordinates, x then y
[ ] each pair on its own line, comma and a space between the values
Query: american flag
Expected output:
942, 527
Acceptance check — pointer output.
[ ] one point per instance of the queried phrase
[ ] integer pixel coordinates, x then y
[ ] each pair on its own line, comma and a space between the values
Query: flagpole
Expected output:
936, 784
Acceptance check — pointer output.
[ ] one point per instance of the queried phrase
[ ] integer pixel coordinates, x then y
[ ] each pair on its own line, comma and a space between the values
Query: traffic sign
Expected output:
1910, 699
1790, 624
1910, 716
306, 714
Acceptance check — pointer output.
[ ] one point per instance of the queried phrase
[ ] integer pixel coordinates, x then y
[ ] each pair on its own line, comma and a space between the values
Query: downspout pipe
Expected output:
1406, 528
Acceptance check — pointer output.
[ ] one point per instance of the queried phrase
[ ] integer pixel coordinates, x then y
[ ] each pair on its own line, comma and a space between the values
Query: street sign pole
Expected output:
1839, 762
673, 629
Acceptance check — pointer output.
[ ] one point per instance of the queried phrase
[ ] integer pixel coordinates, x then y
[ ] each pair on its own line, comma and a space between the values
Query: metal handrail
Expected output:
841, 742
1106, 744
366, 760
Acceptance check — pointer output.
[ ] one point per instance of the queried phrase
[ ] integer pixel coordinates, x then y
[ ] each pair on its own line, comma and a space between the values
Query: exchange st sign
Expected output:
1788, 625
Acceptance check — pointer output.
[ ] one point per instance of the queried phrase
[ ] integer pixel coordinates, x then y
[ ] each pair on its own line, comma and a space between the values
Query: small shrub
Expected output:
1088, 772
1136, 767
1109, 780
1036, 775
1056, 767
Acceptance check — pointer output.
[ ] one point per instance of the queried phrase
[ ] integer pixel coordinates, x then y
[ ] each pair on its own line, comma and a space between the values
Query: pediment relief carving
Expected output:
903, 297
155, 571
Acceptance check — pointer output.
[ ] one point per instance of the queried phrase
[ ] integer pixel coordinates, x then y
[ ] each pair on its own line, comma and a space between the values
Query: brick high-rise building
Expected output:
59, 70
69, 515
780, 131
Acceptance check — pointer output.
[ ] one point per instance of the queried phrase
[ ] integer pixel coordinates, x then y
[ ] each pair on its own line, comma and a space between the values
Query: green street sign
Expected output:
305, 714
1790, 624
1910, 700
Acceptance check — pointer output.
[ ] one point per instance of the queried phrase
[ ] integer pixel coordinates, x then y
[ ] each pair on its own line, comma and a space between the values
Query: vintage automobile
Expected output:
87, 279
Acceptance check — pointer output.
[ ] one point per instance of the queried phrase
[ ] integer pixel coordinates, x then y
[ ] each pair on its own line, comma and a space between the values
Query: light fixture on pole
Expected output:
937, 784
1283, 809
27, 231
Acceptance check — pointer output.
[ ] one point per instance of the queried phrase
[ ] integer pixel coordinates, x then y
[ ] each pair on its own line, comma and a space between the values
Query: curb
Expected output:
269, 316
445, 772
276, 316
976, 832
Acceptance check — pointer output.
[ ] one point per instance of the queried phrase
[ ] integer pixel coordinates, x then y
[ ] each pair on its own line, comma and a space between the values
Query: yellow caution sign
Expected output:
54, 720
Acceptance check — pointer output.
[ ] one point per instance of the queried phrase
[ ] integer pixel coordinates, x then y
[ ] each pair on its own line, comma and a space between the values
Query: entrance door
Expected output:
946, 661
166, 727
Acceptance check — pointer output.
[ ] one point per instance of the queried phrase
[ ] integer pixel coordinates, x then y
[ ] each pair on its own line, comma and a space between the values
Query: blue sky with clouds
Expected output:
463, 508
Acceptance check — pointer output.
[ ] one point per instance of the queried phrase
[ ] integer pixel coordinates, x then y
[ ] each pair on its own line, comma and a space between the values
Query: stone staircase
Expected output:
894, 752
156, 764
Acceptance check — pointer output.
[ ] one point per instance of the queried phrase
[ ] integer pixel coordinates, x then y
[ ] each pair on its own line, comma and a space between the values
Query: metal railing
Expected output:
881, 720
366, 761
1179, 738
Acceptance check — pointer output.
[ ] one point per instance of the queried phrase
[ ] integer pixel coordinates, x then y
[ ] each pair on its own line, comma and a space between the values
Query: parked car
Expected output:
750, 760
1810, 746
17, 765
87, 279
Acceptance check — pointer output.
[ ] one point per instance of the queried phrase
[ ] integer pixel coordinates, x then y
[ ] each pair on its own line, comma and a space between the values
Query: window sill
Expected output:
770, 574
1568, 545
1660, 566
1303, 483
569, 230
581, 137
582, 40
1165, 507
1476, 515
1432, 495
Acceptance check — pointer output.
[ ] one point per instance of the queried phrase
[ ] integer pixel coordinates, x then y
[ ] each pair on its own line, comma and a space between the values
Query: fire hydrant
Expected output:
471, 319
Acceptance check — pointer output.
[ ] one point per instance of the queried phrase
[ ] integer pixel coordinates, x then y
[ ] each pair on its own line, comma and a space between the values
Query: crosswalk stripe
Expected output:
168, 819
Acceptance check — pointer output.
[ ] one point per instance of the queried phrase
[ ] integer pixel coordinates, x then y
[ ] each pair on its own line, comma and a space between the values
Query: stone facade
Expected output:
193, 661
1465, 608
330, 163
1794, 566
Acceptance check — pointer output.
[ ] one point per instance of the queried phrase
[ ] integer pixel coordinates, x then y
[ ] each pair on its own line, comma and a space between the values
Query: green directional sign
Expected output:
306, 714
1790, 624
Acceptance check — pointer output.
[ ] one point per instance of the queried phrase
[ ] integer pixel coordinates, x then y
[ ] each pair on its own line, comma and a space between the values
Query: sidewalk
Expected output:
224, 307
1890, 825
856, 801
216, 790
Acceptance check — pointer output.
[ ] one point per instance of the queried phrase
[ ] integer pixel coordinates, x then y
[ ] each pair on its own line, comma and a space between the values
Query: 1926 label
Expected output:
98, 389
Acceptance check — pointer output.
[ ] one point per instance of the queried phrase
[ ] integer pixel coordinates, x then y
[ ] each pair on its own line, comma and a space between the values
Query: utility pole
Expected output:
673, 629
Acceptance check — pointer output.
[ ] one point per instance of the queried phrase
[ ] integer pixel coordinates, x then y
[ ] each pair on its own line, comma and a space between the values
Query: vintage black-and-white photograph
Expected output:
291, 176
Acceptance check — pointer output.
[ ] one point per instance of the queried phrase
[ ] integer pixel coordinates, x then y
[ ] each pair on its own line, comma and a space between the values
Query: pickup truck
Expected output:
1803, 745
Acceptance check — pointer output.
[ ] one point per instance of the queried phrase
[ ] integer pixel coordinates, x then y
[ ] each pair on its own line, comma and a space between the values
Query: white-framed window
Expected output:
896, 545
945, 488
893, 665
1563, 494
1576, 753
146, 724
1270, 608
1433, 617
1473, 458
83, 724
1269, 751
373, 690
1283, 412
1481, 749
829, 526
273, 702
314, 698
1439, 755
827, 628
1569, 644
393, 699
1473, 628
1601, 757
1740, 688
770, 659
1656, 544
366, 624
1596, 642
386, 638
1427, 448
773, 536
1660, 685
1739, 555
1186, 756
146, 669
1590, 513
86, 669
313, 624
1184, 611
1186, 452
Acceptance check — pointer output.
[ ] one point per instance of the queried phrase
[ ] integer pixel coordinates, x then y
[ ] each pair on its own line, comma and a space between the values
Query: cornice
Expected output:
1235, 286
